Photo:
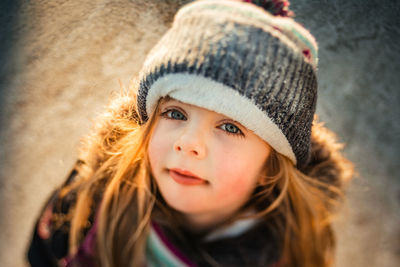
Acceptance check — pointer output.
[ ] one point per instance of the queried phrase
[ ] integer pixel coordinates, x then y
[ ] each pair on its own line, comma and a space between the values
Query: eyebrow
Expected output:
168, 99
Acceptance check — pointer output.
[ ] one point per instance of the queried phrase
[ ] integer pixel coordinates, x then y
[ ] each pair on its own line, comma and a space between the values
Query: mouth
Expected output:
185, 177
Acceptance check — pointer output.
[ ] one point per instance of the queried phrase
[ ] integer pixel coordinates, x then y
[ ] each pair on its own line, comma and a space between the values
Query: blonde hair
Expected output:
298, 204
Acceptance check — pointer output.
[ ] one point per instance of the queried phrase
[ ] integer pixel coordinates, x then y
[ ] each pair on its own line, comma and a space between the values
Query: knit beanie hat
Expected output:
239, 60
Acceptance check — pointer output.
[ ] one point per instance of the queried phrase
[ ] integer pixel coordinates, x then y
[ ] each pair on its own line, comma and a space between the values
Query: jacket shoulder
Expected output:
49, 242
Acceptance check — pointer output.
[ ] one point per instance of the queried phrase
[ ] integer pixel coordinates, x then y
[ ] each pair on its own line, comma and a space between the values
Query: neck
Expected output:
204, 223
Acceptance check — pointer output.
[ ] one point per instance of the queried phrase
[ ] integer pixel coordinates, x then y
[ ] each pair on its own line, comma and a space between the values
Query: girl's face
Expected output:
206, 165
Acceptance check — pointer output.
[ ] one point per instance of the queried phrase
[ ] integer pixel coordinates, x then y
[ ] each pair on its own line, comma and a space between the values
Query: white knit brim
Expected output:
206, 93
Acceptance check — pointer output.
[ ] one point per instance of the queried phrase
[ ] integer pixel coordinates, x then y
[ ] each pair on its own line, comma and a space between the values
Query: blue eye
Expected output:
174, 115
231, 129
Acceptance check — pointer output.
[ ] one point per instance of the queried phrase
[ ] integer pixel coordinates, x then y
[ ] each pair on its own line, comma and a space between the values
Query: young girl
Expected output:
211, 159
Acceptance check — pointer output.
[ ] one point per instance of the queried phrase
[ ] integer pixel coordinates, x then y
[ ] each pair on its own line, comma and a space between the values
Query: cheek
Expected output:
236, 175
238, 167
157, 148
240, 161
153, 155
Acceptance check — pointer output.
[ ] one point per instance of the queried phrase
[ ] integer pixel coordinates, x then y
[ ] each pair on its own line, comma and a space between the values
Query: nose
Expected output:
192, 142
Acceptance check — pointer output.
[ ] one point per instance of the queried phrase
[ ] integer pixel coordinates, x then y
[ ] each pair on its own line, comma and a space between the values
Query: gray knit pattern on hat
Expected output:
252, 60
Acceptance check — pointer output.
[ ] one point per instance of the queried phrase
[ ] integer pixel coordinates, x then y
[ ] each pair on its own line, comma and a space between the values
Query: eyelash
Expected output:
239, 132
165, 114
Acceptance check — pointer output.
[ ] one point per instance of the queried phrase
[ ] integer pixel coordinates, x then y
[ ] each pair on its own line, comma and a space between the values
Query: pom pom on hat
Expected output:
275, 7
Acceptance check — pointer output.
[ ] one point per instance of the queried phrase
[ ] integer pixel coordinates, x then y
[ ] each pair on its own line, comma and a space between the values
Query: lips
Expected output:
185, 177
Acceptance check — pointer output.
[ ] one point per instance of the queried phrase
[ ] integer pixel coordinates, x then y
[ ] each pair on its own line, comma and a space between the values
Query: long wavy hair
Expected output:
298, 204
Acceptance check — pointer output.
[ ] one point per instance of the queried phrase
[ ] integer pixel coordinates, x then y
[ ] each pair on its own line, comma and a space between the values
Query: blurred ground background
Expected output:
61, 60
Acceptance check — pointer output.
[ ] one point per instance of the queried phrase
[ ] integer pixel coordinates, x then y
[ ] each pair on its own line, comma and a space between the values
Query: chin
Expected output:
186, 207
